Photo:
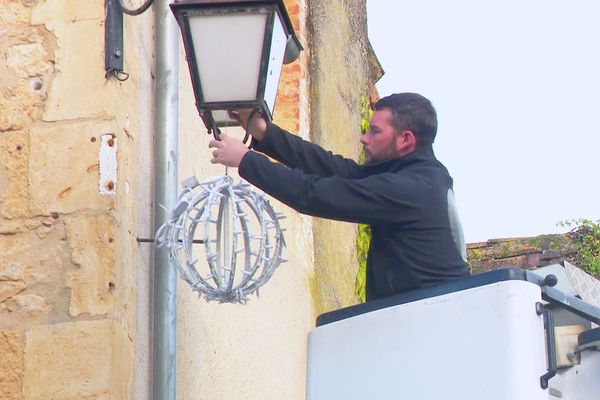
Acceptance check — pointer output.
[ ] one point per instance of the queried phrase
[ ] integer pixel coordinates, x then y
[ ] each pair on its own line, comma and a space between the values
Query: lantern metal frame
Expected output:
184, 9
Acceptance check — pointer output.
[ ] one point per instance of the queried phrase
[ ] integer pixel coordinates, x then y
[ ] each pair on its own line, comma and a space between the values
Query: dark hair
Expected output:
411, 112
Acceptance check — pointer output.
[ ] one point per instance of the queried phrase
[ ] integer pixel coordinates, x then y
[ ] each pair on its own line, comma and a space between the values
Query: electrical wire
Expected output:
136, 11
117, 74
253, 113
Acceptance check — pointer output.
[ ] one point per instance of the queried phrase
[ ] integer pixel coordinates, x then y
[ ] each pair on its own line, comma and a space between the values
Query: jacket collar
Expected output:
421, 154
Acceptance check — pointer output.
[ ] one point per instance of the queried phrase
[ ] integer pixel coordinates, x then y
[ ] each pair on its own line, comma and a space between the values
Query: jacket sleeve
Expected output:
376, 199
295, 152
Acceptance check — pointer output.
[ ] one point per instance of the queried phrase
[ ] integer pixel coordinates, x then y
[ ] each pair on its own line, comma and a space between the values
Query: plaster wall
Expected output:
341, 73
69, 259
257, 350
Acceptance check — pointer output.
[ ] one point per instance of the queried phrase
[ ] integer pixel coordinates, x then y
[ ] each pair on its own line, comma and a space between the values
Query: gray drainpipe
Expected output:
165, 193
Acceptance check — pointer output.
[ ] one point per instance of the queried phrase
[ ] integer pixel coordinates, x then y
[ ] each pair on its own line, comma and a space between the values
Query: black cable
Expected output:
136, 11
117, 74
252, 115
216, 131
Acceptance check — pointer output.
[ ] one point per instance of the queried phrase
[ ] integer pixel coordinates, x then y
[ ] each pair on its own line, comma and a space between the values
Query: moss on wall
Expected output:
528, 252
340, 74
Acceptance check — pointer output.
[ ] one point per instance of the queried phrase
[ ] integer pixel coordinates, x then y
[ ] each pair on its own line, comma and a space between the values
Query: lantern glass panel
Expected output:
221, 118
228, 50
278, 45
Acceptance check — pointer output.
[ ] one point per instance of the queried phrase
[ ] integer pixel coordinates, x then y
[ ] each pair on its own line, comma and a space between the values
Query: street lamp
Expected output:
235, 51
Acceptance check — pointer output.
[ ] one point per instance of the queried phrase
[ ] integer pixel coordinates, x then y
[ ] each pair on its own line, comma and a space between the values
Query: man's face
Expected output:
379, 142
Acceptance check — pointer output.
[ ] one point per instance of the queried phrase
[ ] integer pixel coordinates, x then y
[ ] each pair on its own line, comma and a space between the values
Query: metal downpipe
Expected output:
165, 194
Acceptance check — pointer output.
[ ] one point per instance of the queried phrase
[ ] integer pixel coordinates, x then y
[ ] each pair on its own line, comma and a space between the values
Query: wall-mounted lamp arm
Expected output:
136, 11
113, 36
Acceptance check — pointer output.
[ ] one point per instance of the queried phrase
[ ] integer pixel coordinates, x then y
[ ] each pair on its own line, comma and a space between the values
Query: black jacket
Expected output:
408, 201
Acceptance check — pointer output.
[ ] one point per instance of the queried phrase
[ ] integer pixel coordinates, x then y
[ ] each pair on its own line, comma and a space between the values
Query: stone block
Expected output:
69, 361
12, 115
11, 227
32, 276
29, 59
14, 12
14, 158
66, 11
15, 253
11, 366
32, 304
79, 88
12, 272
122, 362
21, 103
63, 168
25, 71
10, 289
93, 283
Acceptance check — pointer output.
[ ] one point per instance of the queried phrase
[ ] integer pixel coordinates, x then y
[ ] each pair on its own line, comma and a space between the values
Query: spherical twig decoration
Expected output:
228, 225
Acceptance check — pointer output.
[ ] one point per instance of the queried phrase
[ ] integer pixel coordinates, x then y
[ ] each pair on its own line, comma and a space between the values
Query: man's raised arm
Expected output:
292, 150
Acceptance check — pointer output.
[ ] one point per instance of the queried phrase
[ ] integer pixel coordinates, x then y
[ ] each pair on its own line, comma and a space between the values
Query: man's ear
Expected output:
406, 142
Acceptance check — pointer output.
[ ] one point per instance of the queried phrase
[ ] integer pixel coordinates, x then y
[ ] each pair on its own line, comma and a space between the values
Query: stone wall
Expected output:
342, 69
527, 253
68, 254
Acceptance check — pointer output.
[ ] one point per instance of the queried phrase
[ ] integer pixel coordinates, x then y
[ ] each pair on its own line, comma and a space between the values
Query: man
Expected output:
402, 191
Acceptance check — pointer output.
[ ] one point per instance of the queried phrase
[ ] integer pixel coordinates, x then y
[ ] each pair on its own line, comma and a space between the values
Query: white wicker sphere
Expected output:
224, 238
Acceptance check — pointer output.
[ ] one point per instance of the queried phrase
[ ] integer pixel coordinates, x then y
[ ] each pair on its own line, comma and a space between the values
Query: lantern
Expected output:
235, 51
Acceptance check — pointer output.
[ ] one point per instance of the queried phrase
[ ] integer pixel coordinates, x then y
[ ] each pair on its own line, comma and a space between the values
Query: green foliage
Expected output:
365, 114
363, 238
586, 235
475, 255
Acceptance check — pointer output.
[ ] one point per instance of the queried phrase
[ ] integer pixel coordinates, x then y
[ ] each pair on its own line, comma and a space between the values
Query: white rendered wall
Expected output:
231, 351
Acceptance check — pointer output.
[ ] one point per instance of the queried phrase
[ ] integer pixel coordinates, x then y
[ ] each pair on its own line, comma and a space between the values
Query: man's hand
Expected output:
228, 151
257, 126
